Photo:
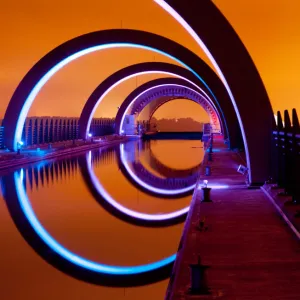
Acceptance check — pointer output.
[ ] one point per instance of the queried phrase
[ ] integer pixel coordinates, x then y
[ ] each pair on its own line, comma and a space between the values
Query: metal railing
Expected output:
286, 154
1, 137
46, 130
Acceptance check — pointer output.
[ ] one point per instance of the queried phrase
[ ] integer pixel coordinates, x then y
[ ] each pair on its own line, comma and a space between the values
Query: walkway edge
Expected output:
181, 243
58, 153
283, 215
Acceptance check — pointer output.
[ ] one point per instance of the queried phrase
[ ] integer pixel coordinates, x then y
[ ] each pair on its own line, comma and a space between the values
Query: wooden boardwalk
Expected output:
250, 251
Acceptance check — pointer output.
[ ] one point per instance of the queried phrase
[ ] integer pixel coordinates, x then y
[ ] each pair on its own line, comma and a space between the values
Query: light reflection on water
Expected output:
70, 213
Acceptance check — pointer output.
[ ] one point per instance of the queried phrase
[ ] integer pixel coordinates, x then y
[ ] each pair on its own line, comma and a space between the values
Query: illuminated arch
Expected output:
238, 72
42, 71
214, 120
161, 91
64, 259
150, 184
248, 96
120, 211
166, 171
223, 106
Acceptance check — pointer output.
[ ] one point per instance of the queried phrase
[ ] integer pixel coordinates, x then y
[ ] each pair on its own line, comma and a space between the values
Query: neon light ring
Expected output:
148, 86
120, 211
42, 71
154, 162
207, 106
63, 259
147, 187
164, 68
238, 72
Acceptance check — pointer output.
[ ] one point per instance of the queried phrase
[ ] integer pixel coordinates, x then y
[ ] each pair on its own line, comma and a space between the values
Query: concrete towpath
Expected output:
250, 251
27, 156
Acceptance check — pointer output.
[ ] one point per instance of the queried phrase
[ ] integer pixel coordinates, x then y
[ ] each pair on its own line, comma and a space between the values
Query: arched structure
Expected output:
221, 43
223, 105
149, 183
64, 259
56, 59
214, 120
166, 171
117, 209
238, 72
160, 91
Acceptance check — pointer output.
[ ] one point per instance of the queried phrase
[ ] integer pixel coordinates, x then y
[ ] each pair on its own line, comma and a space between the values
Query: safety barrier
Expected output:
45, 130
286, 154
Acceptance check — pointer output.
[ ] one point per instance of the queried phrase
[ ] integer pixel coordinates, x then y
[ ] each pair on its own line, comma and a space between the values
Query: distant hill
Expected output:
176, 125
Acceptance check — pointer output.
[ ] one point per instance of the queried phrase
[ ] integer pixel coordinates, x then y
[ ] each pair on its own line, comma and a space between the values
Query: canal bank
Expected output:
76, 217
237, 244
39, 154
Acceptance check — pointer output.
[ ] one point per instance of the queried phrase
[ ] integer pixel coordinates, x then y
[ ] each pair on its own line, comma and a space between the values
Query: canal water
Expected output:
66, 223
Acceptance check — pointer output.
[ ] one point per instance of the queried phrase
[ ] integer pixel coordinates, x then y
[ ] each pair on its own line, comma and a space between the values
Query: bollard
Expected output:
206, 194
201, 226
198, 279
207, 171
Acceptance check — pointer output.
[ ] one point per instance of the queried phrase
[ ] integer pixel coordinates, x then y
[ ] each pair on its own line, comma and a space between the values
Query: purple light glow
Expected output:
142, 216
66, 254
147, 186
165, 85
214, 186
134, 75
194, 35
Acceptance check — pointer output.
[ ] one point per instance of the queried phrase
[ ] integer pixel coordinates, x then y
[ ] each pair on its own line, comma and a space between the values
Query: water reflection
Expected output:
16, 189
140, 176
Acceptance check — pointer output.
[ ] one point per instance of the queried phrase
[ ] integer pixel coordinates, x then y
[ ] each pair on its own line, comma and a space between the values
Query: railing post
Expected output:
295, 176
274, 155
288, 136
280, 151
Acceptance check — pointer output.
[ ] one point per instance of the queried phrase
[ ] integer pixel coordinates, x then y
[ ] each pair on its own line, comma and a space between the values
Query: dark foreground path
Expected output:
250, 251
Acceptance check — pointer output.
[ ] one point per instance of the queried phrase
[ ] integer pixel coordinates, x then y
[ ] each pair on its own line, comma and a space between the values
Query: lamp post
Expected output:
19, 147
198, 279
207, 171
205, 192
91, 137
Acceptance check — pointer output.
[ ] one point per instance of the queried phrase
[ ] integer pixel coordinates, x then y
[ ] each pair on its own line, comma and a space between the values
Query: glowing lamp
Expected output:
70, 256
242, 169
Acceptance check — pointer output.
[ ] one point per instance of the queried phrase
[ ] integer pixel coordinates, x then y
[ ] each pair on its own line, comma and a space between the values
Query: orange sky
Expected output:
269, 28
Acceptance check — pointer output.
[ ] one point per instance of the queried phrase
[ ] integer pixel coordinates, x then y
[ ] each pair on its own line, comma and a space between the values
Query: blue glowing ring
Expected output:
148, 187
70, 256
44, 79
205, 97
133, 214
